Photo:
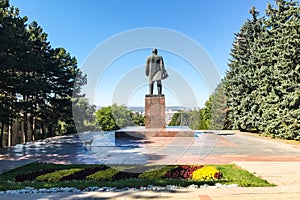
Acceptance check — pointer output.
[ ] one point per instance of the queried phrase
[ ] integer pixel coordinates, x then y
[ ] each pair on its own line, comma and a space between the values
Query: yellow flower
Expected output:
205, 173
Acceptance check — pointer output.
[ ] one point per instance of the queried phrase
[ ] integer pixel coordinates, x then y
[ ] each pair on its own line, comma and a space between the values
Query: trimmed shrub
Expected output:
81, 175
32, 176
156, 174
103, 175
56, 176
125, 175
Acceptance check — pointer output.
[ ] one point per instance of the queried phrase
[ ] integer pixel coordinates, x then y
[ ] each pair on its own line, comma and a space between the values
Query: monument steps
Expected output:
142, 132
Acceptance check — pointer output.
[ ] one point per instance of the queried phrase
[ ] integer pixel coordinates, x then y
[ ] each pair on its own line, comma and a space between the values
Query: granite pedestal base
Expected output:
141, 136
142, 132
155, 111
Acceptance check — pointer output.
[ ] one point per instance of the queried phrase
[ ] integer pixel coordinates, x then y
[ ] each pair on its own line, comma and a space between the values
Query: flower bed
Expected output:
185, 171
124, 176
206, 173
104, 173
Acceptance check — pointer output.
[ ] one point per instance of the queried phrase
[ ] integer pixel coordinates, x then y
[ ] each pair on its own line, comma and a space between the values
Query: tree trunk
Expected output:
42, 129
26, 127
50, 130
32, 128
1, 134
10, 136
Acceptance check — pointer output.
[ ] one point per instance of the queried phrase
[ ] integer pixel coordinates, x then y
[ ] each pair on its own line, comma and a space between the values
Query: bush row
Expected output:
104, 173
56, 176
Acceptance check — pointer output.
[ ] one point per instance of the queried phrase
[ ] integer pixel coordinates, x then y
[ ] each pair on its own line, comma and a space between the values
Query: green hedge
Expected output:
103, 175
158, 173
56, 176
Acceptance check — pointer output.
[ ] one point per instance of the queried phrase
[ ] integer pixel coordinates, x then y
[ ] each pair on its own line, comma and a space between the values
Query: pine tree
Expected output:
13, 49
37, 82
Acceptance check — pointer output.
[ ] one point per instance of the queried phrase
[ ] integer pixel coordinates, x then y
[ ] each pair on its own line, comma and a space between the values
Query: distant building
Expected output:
169, 115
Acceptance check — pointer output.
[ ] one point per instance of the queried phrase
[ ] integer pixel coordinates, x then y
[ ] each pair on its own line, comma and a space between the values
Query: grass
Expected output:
231, 175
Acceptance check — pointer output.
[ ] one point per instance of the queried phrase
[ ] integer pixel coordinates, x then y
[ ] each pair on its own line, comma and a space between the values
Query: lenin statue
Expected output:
156, 71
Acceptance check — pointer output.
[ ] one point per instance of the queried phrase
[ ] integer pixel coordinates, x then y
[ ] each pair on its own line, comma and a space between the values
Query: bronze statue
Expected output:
156, 71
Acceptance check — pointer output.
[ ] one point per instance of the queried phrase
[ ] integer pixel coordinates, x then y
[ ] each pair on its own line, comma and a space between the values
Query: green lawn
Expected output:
112, 176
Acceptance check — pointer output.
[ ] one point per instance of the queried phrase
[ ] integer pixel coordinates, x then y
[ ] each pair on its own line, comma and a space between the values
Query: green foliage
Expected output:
55, 177
205, 114
240, 80
158, 173
115, 117
122, 116
36, 166
186, 118
219, 110
35, 81
263, 80
103, 175
105, 119
175, 121
214, 115
234, 174
138, 119
84, 115
4, 3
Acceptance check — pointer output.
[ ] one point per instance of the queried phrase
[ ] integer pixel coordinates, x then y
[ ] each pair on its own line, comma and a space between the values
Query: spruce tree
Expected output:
219, 110
281, 78
263, 80
240, 79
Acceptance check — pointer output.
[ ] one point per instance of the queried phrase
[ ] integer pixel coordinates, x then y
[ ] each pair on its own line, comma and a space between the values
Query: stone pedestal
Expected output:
155, 126
155, 111
139, 132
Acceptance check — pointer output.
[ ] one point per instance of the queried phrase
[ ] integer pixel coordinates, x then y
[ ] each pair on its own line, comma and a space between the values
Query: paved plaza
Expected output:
216, 147
273, 160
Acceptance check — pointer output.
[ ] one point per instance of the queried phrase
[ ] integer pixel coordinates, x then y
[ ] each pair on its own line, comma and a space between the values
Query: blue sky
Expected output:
81, 26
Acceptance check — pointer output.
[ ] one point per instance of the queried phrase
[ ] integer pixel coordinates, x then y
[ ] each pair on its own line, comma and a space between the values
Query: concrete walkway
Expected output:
272, 160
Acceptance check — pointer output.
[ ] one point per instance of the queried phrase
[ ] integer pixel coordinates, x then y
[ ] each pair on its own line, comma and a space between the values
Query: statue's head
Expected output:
154, 50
